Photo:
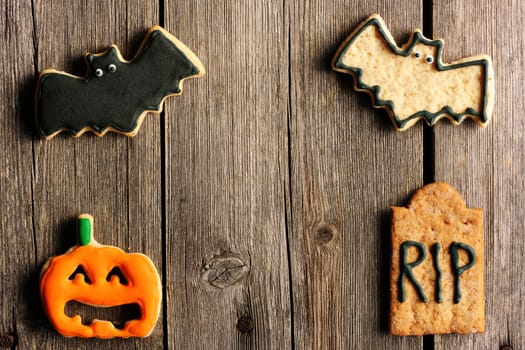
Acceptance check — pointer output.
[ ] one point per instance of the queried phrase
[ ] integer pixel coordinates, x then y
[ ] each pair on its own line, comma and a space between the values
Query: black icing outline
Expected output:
417, 37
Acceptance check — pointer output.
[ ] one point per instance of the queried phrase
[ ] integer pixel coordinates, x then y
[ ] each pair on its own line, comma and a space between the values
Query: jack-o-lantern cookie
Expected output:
86, 274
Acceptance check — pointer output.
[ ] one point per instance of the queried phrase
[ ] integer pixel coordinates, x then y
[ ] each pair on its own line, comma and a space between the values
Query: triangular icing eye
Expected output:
118, 273
80, 270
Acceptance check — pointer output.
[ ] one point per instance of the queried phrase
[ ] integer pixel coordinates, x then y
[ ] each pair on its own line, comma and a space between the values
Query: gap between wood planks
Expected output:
288, 210
164, 227
428, 138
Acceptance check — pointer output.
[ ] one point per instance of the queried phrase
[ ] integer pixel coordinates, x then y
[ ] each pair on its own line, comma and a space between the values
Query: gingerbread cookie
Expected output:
436, 277
411, 82
115, 94
100, 276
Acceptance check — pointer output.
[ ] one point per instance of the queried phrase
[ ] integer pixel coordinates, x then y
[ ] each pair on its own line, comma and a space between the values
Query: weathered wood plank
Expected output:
226, 169
16, 230
486, 165
229, 213
116, 179
349, 165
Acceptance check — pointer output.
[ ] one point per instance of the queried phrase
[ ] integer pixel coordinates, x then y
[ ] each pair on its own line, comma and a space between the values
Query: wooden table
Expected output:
262, 194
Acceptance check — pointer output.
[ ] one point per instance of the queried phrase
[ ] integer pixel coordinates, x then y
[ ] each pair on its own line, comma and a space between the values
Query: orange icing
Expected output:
143, 288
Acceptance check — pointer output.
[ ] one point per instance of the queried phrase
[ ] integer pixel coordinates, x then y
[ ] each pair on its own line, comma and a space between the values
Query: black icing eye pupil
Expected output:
112, 68
429, 59
417, 54
99, 72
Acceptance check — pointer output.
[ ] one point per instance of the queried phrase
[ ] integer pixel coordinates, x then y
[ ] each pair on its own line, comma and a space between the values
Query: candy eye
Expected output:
99, 72
429, 59
417, 54
112, 68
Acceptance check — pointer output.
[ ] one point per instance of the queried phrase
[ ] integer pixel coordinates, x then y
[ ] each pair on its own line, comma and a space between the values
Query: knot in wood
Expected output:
7, 341
245, 324
506, 347
323, 234
224, 272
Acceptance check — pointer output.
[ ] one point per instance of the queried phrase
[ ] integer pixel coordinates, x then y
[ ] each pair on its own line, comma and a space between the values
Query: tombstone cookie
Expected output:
115, 94
412, 82
436, 276
101, 276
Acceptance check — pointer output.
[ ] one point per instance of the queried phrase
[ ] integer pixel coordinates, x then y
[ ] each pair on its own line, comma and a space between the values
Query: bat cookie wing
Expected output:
116, 94
411, 82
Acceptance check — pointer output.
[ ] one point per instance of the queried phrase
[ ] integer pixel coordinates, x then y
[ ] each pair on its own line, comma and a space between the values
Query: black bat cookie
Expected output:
116, 94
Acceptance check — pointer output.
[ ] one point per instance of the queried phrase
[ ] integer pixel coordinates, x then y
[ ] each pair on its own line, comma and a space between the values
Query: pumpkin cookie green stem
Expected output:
85, 229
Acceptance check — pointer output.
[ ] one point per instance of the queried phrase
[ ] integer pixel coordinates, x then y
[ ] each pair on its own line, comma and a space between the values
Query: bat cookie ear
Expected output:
114, 52
90, 57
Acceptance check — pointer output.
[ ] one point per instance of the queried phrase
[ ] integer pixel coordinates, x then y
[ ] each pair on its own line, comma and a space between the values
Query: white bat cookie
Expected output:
411, 82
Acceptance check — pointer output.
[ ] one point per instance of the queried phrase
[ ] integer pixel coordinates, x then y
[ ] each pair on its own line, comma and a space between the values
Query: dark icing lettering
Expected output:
434, 250
457, 270
405, 269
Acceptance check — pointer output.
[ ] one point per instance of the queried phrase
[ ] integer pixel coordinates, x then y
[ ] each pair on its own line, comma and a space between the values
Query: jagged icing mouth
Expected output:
118, 315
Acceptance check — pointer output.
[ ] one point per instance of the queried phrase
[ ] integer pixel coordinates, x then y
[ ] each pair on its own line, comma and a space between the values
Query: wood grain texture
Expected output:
226, 169
349, 165
116, 179
16, 230
275, 175
486, 165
